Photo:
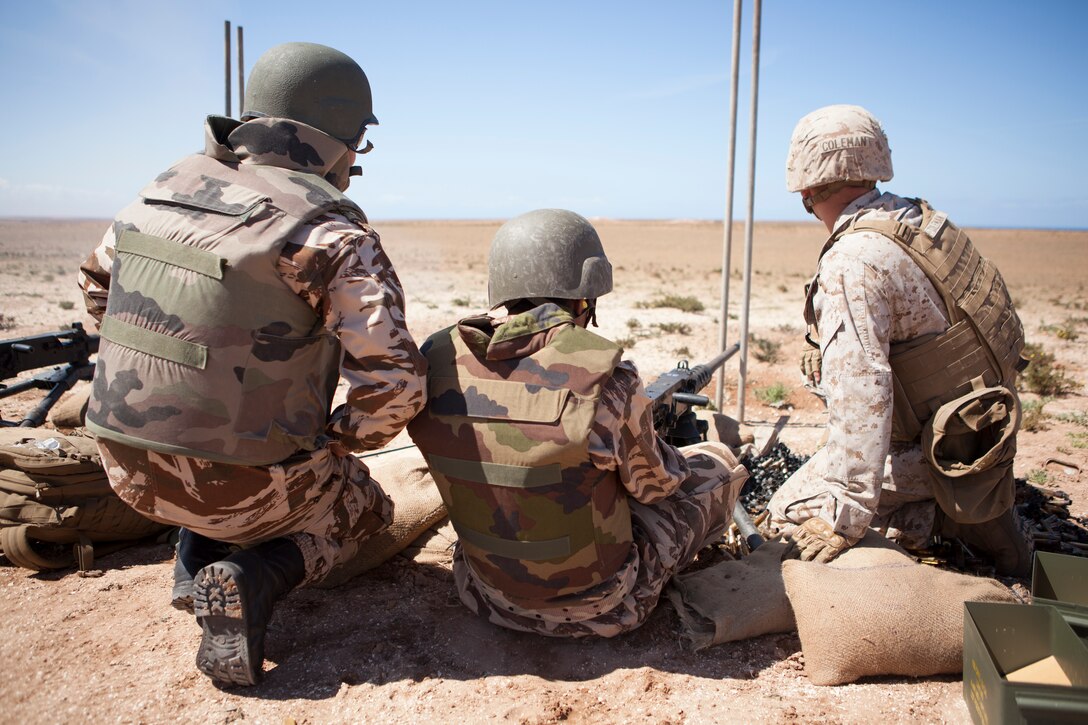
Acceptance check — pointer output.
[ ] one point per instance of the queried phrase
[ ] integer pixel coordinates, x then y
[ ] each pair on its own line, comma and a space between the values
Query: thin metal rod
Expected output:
742, 377
226, 65
241, 75
727, 218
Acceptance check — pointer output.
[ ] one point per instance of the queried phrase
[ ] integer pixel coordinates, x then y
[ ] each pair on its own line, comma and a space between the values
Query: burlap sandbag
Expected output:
71, 410
434, 546
875, 611
734, 599
417, 505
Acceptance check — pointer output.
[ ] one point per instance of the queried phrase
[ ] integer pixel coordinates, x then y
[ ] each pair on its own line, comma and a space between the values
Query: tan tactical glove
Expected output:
815, 540
811, 361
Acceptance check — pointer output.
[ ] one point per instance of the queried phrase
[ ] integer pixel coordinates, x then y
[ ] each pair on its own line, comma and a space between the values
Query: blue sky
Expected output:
612, 109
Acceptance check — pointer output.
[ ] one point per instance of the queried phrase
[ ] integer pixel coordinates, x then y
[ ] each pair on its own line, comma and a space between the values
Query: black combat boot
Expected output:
194, 552
233, 602
1001, 539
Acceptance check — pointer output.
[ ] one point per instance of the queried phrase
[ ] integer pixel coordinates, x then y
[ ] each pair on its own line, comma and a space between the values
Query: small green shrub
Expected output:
774, 394
1077, 417
461, 302
1078, 440
682, 352
626, 342
1038, 477
1034, 419
634, 323
1044, 376
1066, 330
66, 305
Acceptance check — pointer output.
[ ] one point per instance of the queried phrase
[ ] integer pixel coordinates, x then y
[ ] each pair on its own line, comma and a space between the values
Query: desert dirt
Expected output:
394, 644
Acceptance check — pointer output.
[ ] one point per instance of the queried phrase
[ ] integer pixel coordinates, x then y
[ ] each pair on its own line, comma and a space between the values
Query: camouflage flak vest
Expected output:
507, 443
205, 351
983, 343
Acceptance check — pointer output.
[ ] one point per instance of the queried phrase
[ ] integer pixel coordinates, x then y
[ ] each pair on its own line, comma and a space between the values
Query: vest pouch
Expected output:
970, 444
275, 405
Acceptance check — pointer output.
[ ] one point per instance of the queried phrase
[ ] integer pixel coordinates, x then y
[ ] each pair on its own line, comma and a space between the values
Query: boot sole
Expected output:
218, 603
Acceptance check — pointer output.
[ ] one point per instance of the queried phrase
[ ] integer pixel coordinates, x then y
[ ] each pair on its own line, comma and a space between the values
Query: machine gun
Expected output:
66, 351
674, 394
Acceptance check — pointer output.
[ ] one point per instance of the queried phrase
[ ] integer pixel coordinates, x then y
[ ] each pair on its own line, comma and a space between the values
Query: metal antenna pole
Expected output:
742, 378
727, 219
241, 75
226, 64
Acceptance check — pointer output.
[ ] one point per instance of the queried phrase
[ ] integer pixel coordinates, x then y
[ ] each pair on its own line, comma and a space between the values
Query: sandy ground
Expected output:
395, 645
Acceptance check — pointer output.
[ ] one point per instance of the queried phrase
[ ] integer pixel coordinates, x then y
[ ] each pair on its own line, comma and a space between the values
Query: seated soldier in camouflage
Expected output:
232, 297
571, 513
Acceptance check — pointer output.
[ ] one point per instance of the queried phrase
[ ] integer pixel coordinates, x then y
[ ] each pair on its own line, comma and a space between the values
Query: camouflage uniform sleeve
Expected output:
855, 319
341, 269
94, 276
623, 439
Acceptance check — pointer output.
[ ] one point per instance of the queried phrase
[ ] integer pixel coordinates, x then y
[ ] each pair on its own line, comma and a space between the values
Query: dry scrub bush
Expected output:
1044, 376
680, 302
765, 350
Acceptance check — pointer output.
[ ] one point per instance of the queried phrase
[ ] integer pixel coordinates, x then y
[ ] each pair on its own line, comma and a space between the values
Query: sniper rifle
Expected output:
66, 351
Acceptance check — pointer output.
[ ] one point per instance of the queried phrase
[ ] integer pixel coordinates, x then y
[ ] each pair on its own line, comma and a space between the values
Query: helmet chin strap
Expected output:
829, 190
587, 316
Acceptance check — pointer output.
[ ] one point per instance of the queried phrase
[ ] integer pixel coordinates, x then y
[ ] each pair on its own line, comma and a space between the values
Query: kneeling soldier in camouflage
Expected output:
920, 347
232, 296
571, 513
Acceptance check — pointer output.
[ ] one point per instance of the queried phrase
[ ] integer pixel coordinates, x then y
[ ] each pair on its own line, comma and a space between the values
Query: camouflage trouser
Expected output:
668, 534
904, 513
325, 503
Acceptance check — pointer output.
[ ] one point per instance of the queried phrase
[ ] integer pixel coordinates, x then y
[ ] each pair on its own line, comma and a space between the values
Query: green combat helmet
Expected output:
547, 253
314, 84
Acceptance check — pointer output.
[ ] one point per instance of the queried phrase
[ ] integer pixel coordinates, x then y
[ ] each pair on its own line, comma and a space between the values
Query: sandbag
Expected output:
875, 611
434, 546
734, 600
54, 491
71, 410
417, 505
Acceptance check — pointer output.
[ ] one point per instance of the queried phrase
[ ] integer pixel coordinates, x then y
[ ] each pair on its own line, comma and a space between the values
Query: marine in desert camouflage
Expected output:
910, 322
571, 513
233, 294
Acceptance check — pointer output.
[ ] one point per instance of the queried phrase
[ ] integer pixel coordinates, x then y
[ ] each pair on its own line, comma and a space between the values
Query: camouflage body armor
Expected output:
506, 438
955, 391
205, 351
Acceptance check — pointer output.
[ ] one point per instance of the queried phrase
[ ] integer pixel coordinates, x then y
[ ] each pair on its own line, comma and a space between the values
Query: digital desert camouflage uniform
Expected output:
870, 295
571, 513
232, 296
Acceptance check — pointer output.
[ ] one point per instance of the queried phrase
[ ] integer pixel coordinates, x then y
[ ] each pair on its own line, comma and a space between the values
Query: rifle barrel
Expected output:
703, 373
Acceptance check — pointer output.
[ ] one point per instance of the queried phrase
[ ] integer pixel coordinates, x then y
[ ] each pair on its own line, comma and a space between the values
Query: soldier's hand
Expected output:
811, 361
815, 540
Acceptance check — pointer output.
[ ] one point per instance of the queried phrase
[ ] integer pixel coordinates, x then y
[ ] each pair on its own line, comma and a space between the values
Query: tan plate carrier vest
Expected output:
969, 369
205, 351
507, 442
